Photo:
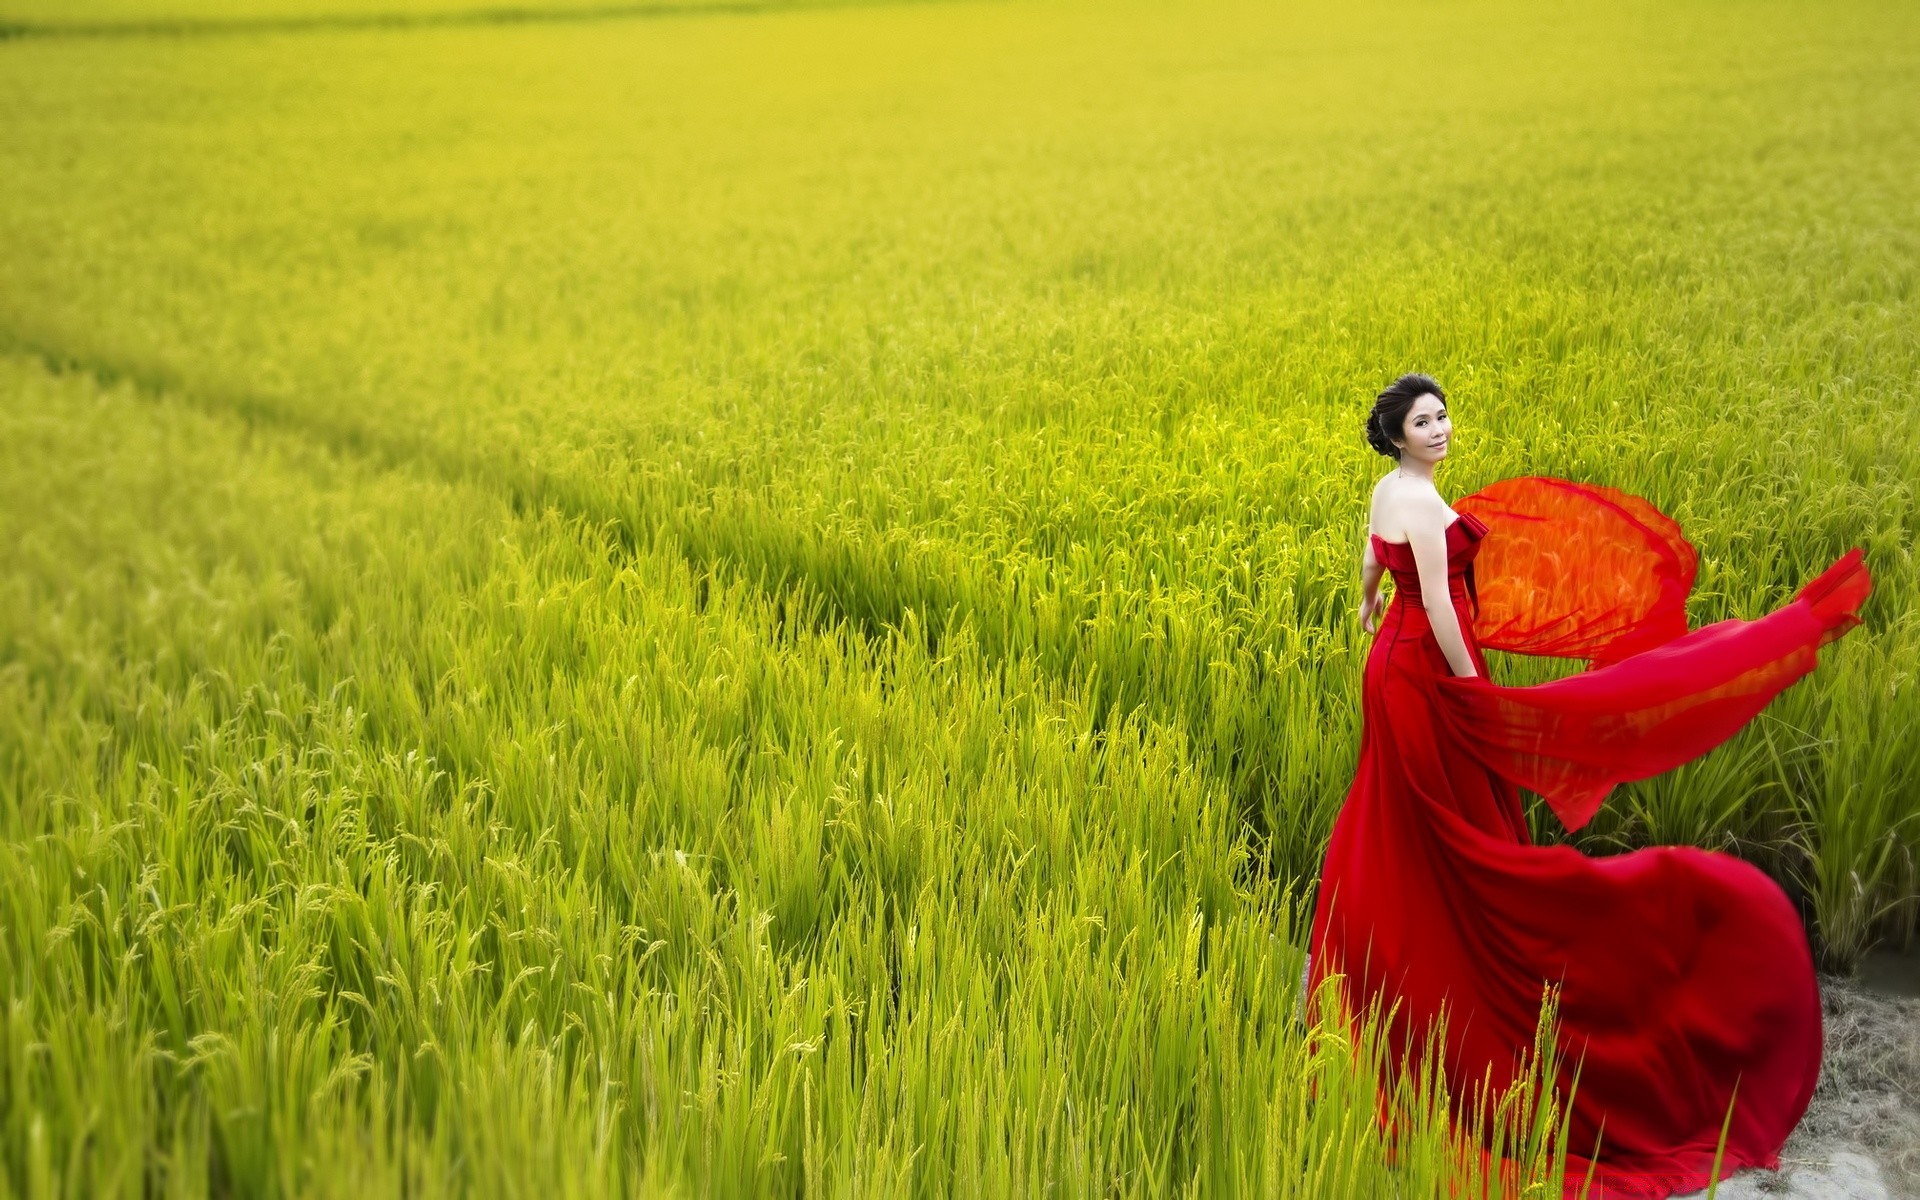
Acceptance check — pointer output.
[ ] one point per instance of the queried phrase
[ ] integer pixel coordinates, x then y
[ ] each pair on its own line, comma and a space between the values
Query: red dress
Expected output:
1681, 972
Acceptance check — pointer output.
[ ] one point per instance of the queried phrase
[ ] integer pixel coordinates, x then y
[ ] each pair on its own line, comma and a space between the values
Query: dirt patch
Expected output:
1861, 1136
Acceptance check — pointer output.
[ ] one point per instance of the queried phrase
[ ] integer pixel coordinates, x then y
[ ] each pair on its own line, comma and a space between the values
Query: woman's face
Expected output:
1427, 431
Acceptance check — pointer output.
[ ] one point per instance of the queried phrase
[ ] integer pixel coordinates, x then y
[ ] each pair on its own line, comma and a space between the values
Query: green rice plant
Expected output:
368, 834
765, 603
1852, 844
187, 18
1056, 352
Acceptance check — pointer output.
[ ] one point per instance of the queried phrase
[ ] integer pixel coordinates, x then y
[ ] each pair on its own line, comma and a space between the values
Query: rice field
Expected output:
761, 601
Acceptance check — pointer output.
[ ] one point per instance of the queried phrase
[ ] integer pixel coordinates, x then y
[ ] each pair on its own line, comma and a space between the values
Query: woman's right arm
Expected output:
1427, 532
1370, 573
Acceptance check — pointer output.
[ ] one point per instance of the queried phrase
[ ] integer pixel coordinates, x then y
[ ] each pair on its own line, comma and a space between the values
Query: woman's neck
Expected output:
1422, 471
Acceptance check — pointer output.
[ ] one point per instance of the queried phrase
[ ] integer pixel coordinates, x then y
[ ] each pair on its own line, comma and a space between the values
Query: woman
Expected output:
1685, 981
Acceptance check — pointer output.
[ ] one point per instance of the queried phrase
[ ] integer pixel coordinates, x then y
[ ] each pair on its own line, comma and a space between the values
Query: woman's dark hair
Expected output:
1388, 420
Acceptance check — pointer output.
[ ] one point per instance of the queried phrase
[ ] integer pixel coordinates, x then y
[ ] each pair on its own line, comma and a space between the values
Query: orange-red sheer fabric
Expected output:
1572, 570
1682, 973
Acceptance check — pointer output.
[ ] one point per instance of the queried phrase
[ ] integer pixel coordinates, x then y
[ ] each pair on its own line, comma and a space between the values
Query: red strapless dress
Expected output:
1681, 973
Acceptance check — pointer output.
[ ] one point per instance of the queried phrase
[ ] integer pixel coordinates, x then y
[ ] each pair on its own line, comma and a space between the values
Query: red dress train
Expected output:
1682, 974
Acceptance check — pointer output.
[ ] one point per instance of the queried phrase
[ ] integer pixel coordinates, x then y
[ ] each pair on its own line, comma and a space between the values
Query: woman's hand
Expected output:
1370, 606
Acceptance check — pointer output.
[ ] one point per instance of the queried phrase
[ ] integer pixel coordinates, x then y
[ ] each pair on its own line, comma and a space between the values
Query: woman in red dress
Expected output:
1685, 985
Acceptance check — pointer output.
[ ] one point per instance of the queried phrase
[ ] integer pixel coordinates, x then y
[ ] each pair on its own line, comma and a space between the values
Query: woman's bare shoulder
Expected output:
1377, 503
1404, 507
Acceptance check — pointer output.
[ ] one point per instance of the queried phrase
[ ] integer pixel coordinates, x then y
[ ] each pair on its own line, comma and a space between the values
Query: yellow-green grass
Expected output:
150, 18
370, 837
983, 383
1059, 323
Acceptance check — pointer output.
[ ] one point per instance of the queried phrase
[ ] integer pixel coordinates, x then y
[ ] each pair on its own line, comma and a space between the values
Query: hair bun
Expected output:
1378, 439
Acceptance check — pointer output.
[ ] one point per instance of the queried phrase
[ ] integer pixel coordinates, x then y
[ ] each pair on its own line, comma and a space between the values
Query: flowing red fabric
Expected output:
1577, 571
1683, 975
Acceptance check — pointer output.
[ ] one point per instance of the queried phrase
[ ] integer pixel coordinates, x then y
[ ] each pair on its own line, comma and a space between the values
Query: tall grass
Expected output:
190, 18
1058, 327
764, 604
368, 835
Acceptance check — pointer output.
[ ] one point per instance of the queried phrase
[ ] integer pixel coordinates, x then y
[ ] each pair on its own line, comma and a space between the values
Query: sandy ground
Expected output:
1861, 1137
